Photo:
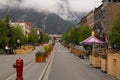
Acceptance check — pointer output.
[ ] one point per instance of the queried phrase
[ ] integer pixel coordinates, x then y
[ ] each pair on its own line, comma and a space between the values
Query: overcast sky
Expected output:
60, 7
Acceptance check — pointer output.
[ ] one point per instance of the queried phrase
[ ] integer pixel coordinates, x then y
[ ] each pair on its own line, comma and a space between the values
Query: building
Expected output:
111, 8
87, 20
99, 22
24, 25
90, 19
104, 17
83, 22
55, 36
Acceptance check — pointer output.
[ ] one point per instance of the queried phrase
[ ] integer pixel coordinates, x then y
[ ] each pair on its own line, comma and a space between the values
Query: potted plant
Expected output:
47, 49
40, 56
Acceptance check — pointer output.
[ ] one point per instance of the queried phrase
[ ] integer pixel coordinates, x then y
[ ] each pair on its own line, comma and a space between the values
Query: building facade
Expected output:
99, 22
111, 11
104, 17
83, 22
24, 25
90, 19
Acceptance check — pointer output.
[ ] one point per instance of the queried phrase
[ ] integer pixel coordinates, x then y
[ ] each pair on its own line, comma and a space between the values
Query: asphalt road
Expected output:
63, 66
66, 66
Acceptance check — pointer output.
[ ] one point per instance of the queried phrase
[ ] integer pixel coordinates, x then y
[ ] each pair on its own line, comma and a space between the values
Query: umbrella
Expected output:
91, 40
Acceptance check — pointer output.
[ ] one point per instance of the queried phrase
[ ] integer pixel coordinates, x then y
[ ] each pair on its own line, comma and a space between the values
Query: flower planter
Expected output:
90, 59
104, 65
40, 59
20, 51
112, 64
79, 53
118, 67
96, 62
47, 54
40, 56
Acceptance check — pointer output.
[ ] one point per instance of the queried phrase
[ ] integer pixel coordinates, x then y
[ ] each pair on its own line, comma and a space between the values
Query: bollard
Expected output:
19, 69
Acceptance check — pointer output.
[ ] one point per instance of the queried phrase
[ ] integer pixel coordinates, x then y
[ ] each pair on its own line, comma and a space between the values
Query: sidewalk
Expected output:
66, 66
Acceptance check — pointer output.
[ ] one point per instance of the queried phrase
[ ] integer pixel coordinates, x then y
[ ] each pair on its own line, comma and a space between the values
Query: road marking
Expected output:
10, 77
46, 67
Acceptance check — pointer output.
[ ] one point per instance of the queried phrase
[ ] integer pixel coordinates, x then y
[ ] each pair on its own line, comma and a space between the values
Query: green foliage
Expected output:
9, 34
33, 36
4, 40
115, 32
67, 35
40, 53
75, 35
85, 32
16, 33
47, 47
45, 37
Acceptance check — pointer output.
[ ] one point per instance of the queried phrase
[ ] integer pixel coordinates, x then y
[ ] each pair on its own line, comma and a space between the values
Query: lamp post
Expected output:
18, 42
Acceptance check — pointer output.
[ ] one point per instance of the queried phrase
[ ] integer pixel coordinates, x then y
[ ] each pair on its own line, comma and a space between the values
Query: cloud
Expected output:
84, 5
63, 8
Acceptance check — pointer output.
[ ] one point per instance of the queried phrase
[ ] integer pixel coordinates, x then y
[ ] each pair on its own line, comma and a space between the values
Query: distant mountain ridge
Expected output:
51, 22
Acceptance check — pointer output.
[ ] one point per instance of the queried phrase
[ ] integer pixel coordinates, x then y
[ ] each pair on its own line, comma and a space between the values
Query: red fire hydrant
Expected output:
19, 69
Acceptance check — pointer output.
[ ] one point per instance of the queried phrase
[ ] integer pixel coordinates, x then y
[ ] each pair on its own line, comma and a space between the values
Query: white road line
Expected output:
46, 67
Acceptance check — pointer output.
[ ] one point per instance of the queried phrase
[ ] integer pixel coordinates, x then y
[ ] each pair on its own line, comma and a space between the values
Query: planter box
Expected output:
40, 59
118, 67
79, 53
96, 62
47, 54
20, 51
104, 65
112, 64
90, 59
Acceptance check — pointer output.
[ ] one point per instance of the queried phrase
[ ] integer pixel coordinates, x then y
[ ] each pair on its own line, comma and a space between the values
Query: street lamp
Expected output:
18, 42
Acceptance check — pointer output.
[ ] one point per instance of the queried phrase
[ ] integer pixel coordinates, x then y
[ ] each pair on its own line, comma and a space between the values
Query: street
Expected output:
69, 67
62, 66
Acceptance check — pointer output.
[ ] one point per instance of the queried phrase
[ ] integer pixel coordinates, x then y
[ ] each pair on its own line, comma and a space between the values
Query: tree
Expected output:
8, 27
45, 37
4, 40
84, 32
67, 35
33, 36
75, 35
114, 35
16, 33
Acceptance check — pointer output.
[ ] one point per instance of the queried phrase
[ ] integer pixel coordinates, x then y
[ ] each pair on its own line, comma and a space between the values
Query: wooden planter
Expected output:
96, 62
40, 59
79, 53
20, 51
118, 67
112, 64
72, 50
90, 59
104, 65
47, 53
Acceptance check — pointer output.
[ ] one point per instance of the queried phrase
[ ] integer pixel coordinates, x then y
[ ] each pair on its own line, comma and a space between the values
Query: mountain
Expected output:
51, 22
